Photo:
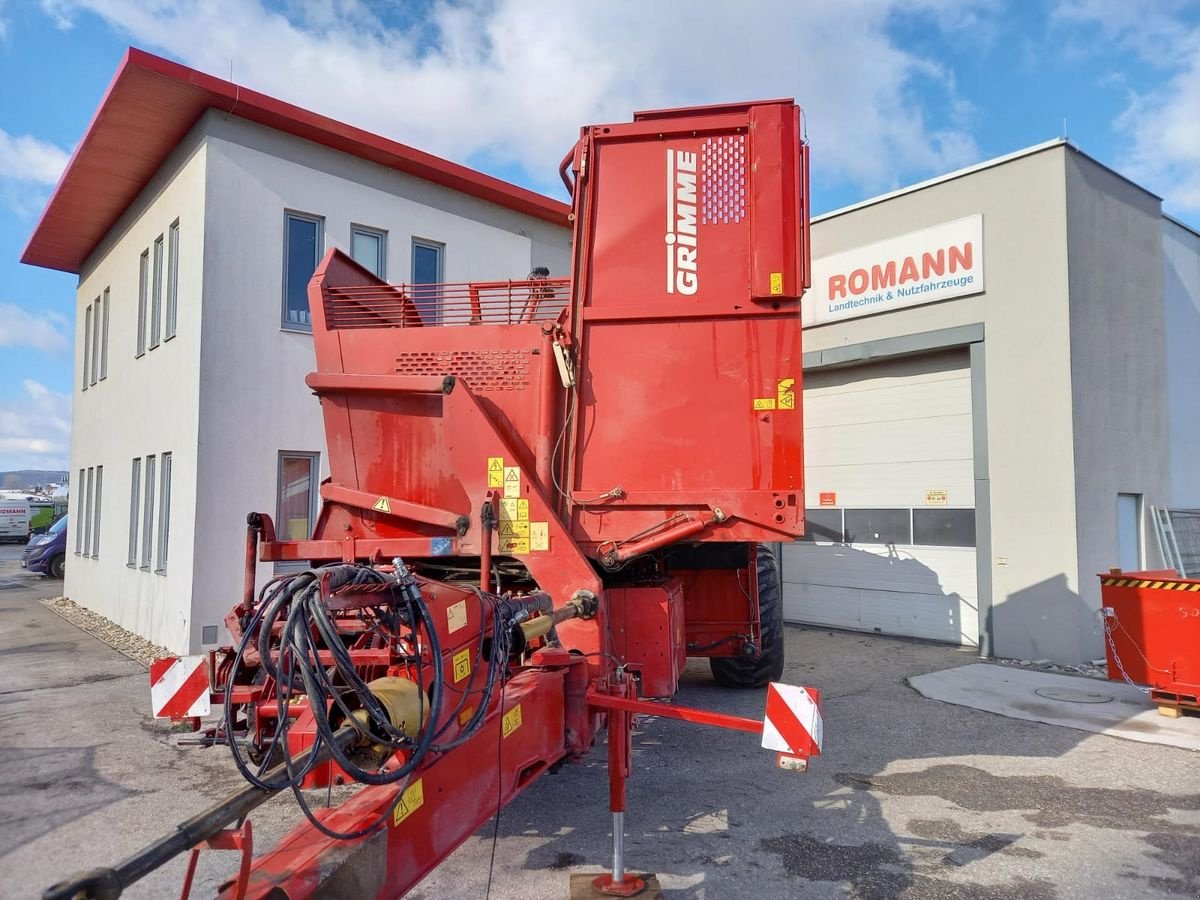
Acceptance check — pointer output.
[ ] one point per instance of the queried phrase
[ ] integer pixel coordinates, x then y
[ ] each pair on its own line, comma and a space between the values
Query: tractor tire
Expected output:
744, 672
57, 567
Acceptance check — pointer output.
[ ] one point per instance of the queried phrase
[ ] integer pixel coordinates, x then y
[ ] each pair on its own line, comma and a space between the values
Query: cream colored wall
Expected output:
1118, 368
253, 400
145, 406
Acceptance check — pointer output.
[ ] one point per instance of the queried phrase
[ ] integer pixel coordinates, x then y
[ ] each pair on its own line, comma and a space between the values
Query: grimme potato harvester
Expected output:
544, 496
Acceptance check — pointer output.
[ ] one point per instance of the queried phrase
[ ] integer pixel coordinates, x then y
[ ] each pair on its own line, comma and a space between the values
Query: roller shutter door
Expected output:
892, 543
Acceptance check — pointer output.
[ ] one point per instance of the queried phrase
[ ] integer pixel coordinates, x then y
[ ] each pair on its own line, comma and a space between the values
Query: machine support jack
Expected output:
620, 757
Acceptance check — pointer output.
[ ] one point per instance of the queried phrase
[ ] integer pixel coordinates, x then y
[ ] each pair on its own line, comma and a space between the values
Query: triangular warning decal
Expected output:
382, 505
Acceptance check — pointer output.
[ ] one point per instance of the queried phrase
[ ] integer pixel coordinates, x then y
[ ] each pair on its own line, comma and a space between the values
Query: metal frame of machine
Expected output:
544, 496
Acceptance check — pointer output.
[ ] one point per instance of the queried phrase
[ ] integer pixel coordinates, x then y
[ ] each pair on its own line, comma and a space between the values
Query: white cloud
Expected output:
29, 159
35, 429
1164, 128
1160, 127
28, 166
21, 328
511, 81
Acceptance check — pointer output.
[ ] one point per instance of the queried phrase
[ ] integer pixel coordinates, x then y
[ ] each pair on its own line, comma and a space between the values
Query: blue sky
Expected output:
894, 91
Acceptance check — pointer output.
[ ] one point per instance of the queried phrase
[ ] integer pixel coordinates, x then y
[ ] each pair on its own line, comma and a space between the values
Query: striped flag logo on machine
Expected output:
792, 725
179, 687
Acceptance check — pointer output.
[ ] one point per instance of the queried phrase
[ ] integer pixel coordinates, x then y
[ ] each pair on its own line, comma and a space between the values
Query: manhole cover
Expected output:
1073, 695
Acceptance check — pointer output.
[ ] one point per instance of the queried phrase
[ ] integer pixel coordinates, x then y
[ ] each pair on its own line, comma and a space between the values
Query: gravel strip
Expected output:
136, 648
1097, 669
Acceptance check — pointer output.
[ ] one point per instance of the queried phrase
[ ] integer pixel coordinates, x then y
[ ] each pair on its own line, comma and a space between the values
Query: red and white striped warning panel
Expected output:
793, 723
179, 687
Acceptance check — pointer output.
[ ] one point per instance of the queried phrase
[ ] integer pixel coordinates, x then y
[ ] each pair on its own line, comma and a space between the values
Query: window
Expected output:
878, 526
944, 527
297, 495
148, 514
87, 513
164, 511
1129, 532
96, 514
823, 524
143, 292
301, 252
368, 246
172, 278
95, 339
427, 270
87, 345
104, 340
156, 294
80, 514
135, 486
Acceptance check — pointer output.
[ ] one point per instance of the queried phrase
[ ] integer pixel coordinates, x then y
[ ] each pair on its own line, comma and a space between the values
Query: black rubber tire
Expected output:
57, 567
743, 672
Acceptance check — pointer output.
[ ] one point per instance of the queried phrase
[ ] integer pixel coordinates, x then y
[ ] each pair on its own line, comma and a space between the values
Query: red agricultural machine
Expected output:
544, 496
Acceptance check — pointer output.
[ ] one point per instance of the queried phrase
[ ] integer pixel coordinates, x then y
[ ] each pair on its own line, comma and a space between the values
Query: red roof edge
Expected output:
27, 255
216, 93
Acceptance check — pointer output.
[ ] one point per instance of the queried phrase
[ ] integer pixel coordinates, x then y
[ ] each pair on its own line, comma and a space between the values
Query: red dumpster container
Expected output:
1152, 625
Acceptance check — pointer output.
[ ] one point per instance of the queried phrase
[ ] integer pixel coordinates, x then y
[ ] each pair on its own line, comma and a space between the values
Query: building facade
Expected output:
1000, 382
999, 373
193, 340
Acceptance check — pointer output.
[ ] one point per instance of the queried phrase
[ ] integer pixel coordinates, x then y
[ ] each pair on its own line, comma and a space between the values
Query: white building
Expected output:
1000, 380
194, 212
1000, 364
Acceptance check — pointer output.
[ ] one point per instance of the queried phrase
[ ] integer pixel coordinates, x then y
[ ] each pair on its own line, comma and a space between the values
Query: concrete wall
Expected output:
253, 401
145, 406
1119, 406
1030, 466
1181, 289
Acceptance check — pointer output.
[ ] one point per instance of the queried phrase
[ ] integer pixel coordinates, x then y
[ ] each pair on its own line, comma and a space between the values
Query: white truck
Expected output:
14, 520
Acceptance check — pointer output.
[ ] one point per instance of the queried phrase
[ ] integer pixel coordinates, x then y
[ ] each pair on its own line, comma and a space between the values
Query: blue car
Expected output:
47, 553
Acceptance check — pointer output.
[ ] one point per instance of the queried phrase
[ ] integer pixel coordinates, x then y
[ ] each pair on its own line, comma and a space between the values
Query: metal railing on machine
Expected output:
536, 299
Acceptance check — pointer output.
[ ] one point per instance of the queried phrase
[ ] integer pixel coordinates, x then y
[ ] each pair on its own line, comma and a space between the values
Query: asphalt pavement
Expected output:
11, 552
913, 798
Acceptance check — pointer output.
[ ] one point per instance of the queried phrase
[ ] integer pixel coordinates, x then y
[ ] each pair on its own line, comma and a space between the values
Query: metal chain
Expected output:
1112, 645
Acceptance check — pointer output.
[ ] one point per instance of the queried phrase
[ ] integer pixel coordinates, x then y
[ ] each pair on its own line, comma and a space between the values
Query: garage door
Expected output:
891, 493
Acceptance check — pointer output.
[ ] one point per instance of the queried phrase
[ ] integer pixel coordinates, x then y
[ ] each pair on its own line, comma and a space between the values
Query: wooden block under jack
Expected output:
582, 888
1171, 712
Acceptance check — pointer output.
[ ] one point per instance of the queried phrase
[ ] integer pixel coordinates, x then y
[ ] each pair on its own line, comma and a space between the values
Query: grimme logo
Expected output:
682, 275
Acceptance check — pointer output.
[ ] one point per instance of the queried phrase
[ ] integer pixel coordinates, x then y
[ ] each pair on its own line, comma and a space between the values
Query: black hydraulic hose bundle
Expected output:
334, 692
296, 667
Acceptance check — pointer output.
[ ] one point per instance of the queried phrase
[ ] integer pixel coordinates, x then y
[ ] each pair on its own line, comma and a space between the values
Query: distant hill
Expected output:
28, 478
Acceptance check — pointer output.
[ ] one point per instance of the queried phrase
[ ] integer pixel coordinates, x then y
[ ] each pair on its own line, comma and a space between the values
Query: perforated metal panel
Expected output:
723, 174
482, 370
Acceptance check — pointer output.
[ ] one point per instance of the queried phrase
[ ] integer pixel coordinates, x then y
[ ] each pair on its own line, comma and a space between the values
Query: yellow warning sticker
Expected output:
539, 536
462, 664
785, 393
508, 510
764, 402
495, 471
514, 529
456, 616
511, 721
514, 545
411, 800
512, 481
776, 282
523, 510
382, 505
465, 716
